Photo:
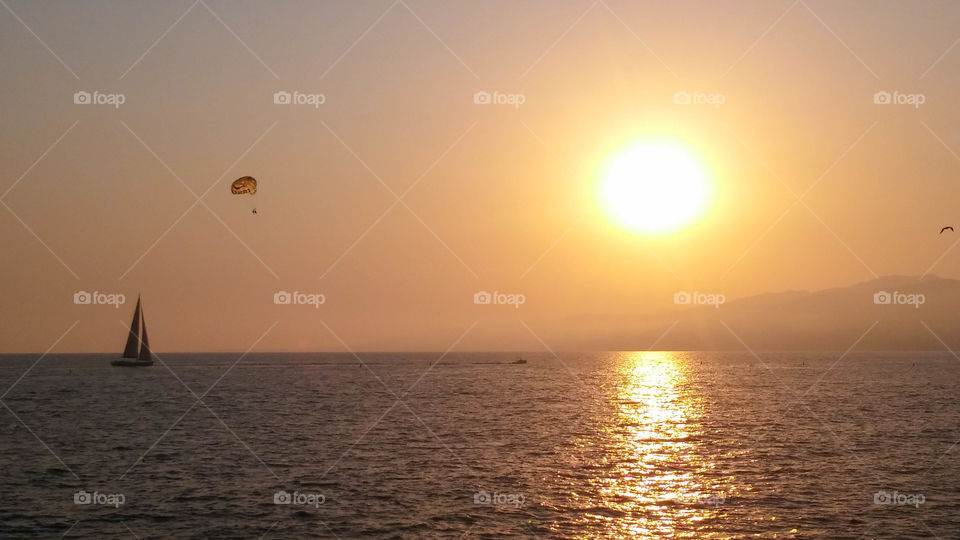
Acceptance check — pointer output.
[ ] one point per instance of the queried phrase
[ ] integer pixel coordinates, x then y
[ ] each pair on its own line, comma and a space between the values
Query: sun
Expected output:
655, 187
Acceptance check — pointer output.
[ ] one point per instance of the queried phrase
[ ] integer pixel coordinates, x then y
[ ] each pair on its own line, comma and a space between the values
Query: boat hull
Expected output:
131, 363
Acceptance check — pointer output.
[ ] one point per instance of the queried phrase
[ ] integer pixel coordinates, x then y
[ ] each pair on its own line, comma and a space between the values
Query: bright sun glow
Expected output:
655, 187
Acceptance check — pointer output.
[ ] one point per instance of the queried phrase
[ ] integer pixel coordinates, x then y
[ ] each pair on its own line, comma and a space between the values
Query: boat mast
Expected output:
145, 355
133, 338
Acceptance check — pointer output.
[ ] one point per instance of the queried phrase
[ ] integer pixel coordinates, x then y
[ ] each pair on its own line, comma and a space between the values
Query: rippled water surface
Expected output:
612, 445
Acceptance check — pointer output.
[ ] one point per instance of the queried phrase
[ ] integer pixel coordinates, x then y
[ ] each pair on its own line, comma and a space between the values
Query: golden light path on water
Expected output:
656, 480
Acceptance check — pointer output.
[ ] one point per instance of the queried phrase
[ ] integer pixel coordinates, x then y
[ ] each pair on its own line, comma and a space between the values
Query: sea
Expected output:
432, 445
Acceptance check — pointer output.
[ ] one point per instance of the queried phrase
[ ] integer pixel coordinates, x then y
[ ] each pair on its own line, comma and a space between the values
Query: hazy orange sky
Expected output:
98, 198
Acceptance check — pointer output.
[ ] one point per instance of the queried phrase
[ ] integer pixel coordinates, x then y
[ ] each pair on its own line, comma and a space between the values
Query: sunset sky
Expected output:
495, 197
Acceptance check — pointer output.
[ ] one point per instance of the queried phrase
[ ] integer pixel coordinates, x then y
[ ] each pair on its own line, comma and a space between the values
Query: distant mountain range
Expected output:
896, 307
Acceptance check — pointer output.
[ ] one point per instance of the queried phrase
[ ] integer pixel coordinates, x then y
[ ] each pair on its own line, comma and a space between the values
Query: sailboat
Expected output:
137, 352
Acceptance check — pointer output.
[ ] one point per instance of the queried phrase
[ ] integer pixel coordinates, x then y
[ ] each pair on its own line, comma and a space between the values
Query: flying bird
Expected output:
945, 228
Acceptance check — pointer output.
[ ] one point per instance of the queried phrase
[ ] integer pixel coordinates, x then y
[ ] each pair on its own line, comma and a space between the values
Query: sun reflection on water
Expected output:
655, 465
